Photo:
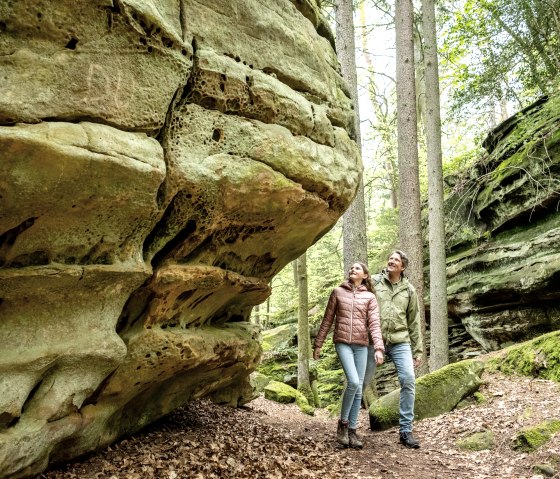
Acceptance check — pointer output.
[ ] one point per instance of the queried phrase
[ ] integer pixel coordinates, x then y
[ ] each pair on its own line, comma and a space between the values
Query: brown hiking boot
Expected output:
353, 439
342, 432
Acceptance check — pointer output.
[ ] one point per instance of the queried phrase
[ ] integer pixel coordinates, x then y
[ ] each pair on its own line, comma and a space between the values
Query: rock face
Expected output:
504, 232
160, 161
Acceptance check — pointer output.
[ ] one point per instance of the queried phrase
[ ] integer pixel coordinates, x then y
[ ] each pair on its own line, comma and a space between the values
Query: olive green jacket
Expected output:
400, 316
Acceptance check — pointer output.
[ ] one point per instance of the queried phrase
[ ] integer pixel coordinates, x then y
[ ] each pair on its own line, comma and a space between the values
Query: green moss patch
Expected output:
529, 439
539, 357
478, 441
282, 393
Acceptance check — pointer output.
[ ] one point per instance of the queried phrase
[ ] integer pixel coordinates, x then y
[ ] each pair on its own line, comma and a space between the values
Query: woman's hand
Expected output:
316, 353
379, 357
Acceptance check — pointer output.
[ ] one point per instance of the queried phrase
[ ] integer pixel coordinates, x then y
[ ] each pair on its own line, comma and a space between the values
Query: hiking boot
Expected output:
342, 432
354, 440
407, 439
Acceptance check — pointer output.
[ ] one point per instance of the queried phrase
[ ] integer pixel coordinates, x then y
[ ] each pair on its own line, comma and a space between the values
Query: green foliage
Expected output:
382, 238
496, 51
324, 272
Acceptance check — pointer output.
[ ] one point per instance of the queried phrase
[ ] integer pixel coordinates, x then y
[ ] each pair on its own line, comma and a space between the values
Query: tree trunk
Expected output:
256, 314
410, 233
382, 116
304, 341
354, 220
439, 336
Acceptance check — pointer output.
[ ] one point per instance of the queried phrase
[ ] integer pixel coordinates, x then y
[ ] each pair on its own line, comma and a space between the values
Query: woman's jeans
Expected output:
353, 358
401, 354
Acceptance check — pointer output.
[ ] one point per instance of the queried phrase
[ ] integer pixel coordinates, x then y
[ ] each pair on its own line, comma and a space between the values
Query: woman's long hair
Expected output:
366, 281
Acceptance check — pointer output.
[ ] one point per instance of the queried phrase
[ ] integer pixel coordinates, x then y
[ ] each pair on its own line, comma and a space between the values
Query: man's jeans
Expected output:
401, 354
353, 359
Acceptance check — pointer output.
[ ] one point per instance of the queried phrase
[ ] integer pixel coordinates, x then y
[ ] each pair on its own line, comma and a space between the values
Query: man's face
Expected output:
394, 264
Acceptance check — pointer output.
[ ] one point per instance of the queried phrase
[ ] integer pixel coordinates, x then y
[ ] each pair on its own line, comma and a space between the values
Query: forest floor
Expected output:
274, 441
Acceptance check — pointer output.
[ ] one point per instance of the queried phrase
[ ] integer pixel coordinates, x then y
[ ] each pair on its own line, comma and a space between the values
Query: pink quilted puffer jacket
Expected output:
356, 317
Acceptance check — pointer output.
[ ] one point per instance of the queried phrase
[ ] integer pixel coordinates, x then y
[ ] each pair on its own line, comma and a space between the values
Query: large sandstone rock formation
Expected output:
160, 161
504, 232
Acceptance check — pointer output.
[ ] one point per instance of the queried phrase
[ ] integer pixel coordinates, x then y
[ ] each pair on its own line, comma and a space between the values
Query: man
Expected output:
400, 326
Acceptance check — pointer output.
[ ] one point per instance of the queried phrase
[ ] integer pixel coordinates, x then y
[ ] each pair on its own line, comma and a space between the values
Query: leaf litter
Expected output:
276, 441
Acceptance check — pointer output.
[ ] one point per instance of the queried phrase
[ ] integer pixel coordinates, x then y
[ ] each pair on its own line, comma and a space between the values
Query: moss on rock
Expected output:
259, 381
539, 357
478, 441
282, 393
531, 438
281, 336
436, 393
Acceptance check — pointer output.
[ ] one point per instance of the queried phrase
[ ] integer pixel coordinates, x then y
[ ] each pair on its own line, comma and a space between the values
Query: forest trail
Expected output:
274, 441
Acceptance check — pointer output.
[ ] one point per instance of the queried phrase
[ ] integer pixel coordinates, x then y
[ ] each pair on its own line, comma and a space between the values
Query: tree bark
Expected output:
439, 336
256, 314
304, 341
354, 220
410, 232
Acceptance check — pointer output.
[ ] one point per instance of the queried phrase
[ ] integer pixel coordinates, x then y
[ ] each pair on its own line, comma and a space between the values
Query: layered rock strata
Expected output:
504, 232
159, 163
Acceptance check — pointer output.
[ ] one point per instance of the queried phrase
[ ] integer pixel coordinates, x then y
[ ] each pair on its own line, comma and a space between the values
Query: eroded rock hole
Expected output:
183, 296
217, 134
71, 45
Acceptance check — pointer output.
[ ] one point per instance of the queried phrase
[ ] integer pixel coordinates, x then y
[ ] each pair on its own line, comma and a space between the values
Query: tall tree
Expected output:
354, 220
439, 337
410, 231
257, 314
304, 341
384, 127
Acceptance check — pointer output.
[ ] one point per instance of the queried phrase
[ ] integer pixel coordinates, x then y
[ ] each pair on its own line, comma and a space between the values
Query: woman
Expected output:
353, 308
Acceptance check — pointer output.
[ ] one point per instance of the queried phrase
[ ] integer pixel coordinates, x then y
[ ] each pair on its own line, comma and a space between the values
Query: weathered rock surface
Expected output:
503, 226
436, 393
159, 163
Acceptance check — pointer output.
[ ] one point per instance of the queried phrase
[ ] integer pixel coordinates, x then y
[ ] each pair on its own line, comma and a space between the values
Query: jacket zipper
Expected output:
352, 314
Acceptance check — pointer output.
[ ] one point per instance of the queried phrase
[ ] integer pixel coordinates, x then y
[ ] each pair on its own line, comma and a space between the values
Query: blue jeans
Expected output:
401, 354
353, 358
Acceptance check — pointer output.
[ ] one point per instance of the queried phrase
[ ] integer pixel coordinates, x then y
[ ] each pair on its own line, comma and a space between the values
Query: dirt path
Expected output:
274, 441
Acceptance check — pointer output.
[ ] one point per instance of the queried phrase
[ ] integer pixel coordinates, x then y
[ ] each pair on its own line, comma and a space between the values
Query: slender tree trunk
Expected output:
410, 232
354, 220
439, 335
256, 314
304, 341
380, 114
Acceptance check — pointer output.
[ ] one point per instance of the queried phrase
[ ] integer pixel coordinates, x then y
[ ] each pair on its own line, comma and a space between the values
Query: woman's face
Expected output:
357, 273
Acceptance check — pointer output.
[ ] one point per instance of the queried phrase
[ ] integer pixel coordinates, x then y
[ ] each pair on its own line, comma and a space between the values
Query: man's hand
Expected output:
379, 358
417, 362
316, 353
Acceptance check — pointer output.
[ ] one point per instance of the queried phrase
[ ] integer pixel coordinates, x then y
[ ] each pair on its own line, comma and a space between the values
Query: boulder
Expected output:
530, 438
479, 441
160, 162
279, 337
436, 393
536, 358
284, 394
